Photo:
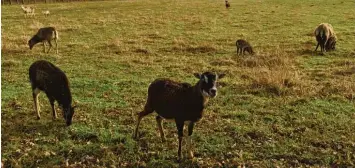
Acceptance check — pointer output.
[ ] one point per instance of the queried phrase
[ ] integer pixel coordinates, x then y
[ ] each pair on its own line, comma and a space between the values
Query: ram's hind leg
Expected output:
35, 93
189, 140
147, 110
180, 128
50, 46
51, 101
160, 127
317, 47
56, 45
322, 47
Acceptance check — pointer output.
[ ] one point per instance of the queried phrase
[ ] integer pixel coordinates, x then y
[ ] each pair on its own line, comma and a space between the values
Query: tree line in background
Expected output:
10, 2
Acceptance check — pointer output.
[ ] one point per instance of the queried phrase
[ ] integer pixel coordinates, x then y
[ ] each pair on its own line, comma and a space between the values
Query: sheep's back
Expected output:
46, 33
168, 95
47, 77
325, 29
167, 89
331, 31
242, 43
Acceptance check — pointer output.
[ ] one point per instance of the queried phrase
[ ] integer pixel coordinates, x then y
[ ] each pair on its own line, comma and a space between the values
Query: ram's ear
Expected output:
222, 75
197, 75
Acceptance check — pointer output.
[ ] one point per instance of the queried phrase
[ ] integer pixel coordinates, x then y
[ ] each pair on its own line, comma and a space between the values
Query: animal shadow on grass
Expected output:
188, 163
12, 51
311, 52
40, 126
307, 52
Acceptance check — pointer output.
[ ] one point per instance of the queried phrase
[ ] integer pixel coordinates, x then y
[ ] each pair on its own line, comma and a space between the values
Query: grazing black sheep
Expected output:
323, 32
243, 46
44, 76
180, 102
45, 34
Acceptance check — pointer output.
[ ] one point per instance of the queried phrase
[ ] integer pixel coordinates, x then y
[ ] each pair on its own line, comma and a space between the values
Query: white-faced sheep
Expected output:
46, 77
29, 11
46, 34
46, 13
180, 102
323, 32
243, 46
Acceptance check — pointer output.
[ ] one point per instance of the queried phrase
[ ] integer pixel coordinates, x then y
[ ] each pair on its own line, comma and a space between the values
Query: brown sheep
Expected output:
323, 32
243, 46
46, 34
46, 77
227, 4
180, 102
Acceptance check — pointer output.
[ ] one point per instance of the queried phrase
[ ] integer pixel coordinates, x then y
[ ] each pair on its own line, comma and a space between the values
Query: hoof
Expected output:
38, 118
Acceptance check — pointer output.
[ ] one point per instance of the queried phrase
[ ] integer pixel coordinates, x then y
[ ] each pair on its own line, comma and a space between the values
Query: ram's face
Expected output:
208, 83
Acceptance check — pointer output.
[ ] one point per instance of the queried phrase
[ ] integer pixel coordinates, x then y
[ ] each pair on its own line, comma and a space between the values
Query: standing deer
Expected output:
29, 11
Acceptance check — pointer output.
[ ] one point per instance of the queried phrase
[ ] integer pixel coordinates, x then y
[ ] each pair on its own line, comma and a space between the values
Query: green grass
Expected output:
286, 106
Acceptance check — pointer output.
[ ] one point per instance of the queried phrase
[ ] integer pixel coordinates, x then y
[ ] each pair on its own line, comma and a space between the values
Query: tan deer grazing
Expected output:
46, 77
46, 34
323, 33
180, 102
28, 11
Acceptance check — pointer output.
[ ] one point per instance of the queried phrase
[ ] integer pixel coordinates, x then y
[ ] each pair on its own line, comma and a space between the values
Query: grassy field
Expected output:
285, 106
